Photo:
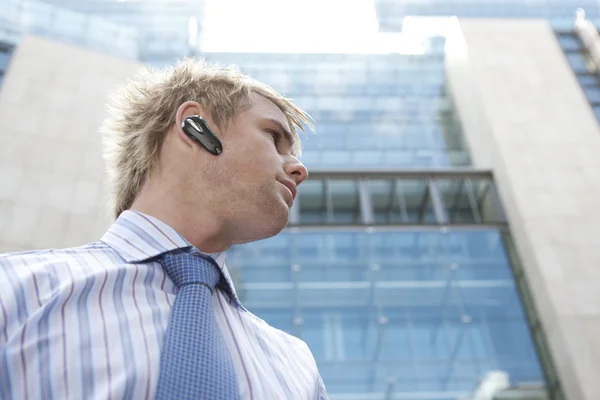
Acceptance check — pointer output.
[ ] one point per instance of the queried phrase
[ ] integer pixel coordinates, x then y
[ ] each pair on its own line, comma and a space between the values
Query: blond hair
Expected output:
143, 111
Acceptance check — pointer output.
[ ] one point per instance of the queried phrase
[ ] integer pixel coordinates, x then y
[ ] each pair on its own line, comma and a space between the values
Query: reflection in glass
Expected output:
458, 197
434, 310
345, 206
383, 110
397, 201
463, 200
311, 197
329, 201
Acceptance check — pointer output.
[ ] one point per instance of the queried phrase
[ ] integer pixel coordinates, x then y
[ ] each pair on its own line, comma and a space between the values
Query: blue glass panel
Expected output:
367, 103
367, 157
592, 93
310, 157
448, 301
597, 112
577, 62
588, 80
569, 43
329, 140
336, 158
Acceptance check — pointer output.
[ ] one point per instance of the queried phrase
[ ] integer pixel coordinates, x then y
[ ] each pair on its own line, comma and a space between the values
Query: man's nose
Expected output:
296, 170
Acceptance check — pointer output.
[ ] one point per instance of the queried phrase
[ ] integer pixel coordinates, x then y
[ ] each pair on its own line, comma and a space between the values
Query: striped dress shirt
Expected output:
89, 323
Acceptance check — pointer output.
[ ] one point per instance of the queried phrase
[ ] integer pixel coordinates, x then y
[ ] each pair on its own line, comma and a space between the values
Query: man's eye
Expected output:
276, 136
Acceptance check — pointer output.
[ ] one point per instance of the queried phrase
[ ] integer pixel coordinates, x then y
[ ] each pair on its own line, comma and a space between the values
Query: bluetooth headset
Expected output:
195, 128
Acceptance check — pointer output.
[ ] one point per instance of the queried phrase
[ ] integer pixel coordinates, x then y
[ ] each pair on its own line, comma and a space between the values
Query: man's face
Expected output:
257, 174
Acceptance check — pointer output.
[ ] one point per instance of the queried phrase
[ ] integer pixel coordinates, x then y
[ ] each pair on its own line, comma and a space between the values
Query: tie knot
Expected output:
186, 267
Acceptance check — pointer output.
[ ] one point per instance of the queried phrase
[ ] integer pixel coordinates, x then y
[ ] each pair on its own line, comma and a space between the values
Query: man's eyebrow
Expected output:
288, 135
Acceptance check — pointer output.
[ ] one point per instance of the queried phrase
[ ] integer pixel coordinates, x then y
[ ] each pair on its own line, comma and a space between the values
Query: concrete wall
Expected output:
526, 117
51, 169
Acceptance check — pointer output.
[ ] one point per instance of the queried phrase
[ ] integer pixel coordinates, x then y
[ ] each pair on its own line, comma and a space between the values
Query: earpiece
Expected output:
196, 128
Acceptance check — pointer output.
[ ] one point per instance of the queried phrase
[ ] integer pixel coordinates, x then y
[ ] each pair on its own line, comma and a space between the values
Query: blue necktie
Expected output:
194, 361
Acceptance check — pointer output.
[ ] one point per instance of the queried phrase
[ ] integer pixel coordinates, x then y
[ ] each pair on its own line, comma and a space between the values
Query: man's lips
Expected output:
291, 186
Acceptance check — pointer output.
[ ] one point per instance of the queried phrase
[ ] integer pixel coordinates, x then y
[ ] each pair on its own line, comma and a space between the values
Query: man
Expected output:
149, 311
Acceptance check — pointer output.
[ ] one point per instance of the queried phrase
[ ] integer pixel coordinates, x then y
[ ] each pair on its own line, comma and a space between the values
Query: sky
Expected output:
308, 26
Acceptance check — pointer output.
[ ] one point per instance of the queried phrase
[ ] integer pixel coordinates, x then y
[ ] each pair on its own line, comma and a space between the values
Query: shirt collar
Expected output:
138, 237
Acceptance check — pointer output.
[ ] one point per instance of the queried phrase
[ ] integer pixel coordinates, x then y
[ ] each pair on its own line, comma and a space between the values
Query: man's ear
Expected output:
196, 128
185, 110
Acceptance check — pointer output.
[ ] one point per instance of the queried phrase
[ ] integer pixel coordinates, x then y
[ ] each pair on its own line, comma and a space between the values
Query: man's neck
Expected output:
203, 230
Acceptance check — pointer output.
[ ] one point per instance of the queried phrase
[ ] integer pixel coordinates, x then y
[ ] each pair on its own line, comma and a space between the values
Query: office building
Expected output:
446, 243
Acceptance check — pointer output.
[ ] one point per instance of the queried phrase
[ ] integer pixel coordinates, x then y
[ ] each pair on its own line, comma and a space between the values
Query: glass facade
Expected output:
416, 313
371, 111
401, 286
399, 281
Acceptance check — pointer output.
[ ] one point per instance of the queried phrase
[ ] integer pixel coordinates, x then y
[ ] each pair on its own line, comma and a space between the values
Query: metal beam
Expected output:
456, 199
391, 382
465, 321
364, 202
388, 211
311, 227
481, 196
473, 201
401, 201
297, 319
441, 215
497, 204
452, 271
454, 173
382, 322
414, 361
296, 268
328, 197
373, 278
423, 205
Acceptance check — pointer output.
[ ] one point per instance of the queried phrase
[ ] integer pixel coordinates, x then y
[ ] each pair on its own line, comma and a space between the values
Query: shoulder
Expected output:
293, 344
31, 281
300, 346
305, 368
34, 258
288, 352
17, 268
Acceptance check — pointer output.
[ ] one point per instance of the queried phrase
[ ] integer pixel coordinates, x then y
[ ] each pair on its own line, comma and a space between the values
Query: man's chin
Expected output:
265, 231
274, 229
